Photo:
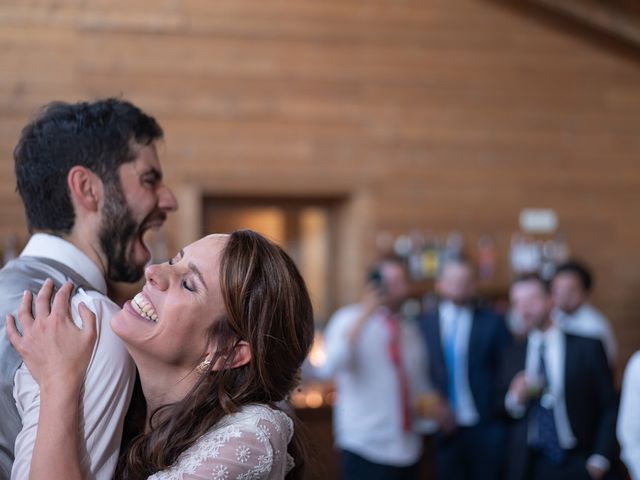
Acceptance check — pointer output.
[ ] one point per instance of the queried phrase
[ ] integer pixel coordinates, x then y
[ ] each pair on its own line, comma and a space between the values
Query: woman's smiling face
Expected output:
169, 320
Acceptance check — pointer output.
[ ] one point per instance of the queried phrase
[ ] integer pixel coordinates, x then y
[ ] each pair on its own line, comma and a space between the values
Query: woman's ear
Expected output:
240, 356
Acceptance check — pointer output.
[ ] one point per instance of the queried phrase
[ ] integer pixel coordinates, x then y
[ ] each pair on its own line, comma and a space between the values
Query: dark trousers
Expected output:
354, 467
573, 467
471, 453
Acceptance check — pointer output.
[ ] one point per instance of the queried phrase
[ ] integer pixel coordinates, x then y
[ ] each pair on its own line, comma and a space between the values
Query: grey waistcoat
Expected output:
23, 273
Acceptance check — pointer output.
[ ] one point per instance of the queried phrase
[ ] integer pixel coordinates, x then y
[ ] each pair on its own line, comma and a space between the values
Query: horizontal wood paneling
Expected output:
437, 115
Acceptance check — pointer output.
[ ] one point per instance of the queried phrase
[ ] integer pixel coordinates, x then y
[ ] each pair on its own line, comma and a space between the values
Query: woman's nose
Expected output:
157, 276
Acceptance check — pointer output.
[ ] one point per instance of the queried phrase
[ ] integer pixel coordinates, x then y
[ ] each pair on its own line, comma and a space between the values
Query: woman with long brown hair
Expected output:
218, 335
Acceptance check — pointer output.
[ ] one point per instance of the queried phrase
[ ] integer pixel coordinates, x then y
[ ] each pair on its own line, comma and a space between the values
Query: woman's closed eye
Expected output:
186, 284
189, 283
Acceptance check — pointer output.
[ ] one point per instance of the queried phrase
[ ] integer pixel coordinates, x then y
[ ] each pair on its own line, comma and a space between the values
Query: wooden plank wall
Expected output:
431, 114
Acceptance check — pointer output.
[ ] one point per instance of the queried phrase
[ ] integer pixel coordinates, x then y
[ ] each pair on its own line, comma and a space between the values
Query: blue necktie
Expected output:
543, 422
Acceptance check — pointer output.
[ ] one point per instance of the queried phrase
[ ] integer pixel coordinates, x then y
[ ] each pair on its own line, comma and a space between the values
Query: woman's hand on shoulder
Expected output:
54, 349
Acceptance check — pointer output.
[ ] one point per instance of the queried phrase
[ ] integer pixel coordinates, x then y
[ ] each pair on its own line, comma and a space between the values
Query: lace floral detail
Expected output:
248, 445
220, 472
257, 472
243, 453
263, 434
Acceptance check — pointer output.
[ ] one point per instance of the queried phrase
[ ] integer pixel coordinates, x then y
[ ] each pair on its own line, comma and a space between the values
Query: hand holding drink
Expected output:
432, 405
535, 385
527, 386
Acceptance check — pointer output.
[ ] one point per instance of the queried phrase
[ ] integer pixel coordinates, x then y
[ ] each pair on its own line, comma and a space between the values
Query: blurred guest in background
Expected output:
465, 344
560, 393
379, 365
571, 289
629, 417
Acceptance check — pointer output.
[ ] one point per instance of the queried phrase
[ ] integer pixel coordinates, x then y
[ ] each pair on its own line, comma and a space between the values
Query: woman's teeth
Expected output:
143, 307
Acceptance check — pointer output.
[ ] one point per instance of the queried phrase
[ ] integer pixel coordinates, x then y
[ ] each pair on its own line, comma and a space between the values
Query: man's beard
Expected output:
118, 231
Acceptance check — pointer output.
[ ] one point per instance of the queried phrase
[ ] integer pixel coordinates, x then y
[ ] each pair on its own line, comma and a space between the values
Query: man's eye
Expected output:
186, 285
150, 181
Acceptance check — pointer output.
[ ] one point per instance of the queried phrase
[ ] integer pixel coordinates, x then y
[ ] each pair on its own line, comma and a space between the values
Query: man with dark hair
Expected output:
571, 289
465, 344
91, 183
559, 392
379, 365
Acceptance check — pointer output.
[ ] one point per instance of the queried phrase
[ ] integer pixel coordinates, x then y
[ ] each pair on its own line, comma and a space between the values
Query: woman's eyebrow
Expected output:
195, 270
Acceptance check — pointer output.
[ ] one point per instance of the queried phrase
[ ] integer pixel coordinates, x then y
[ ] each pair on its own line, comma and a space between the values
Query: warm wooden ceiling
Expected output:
612, 20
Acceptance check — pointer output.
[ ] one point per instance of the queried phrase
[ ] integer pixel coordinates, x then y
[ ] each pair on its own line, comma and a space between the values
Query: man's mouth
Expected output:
153, 222
144, 308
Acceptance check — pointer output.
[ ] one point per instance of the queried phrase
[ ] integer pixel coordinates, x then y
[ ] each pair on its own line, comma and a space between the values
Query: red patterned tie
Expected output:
393, 324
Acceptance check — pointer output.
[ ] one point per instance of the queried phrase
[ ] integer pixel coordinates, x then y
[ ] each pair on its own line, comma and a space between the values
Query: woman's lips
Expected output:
143, 307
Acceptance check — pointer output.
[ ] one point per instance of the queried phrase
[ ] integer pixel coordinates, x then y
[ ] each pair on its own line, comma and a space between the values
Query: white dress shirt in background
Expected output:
368, 410
108, 382
586, 321
629, 417
465, 410
554, 358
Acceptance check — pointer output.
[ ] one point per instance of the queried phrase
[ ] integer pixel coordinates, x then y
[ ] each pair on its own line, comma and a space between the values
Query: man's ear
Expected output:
241, 355
85, 188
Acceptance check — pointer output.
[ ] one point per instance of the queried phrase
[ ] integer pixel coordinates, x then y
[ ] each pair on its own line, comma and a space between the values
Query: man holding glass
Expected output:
560, 396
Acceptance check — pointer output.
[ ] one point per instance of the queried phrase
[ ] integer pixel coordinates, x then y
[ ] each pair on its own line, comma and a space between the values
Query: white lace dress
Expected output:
249, 444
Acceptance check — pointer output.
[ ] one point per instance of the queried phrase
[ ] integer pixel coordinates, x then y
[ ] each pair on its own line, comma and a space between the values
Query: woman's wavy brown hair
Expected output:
267, 305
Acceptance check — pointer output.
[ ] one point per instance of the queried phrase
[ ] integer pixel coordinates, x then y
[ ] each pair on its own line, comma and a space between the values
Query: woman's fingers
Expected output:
88, 320
43, 299
12, 332
60, 304
43, 306
60, 310
54, 350
24, 311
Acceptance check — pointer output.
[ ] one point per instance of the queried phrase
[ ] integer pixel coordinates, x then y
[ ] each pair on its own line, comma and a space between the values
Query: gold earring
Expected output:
203, 367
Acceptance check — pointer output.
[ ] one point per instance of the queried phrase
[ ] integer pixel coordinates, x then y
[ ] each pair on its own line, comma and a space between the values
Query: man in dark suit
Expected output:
465, 345
560, 394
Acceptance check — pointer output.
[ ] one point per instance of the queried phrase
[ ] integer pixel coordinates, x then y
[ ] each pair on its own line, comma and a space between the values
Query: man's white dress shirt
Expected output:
457, 320
629, 417
108, 382
554, 359
368, 411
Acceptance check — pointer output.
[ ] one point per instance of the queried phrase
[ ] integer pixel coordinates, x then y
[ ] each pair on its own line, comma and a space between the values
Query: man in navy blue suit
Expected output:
559, 391
465, 345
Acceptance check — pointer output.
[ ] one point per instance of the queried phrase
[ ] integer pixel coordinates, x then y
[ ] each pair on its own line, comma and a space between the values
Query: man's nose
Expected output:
167, 201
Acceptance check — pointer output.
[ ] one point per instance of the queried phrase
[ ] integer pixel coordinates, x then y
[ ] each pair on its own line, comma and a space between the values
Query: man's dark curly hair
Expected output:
96, 135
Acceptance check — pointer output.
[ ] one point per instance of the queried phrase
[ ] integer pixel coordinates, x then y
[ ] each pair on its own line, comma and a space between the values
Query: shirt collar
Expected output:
60, 250
450, 309
383, 312
536, 337
560, 315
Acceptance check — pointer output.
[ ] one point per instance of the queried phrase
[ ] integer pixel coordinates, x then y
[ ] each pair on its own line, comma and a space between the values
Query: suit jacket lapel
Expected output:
570, 371
475, 339
434, 338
